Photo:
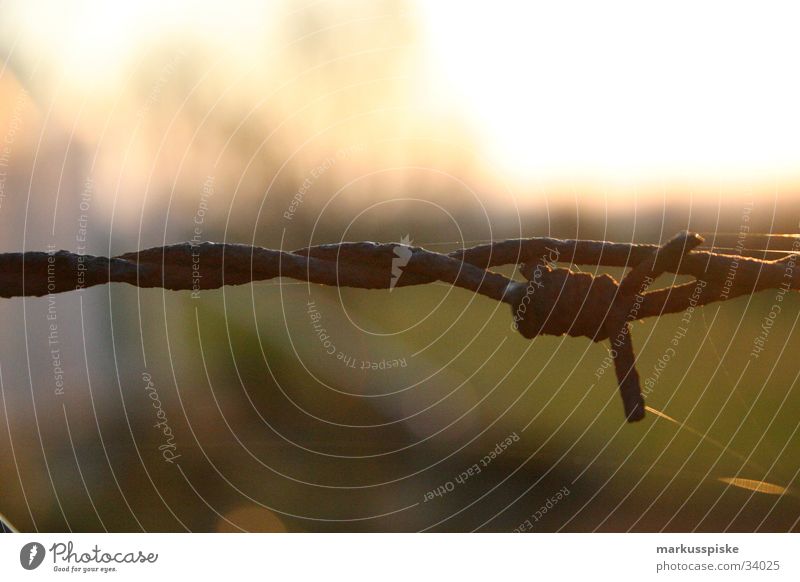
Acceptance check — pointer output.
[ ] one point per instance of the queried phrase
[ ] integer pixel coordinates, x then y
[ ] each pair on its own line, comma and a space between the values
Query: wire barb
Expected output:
553, 301
597, 307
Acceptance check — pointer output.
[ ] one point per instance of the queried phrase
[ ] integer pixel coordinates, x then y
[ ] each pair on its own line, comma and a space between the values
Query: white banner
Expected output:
399, 557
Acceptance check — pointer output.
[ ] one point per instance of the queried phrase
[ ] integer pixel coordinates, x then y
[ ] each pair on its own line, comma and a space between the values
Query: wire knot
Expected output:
558, 301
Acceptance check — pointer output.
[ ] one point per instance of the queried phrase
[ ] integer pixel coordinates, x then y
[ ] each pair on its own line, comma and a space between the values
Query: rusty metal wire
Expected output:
553, 301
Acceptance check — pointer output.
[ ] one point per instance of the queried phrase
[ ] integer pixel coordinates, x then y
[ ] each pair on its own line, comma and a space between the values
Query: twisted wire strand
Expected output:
367, 265
553, 301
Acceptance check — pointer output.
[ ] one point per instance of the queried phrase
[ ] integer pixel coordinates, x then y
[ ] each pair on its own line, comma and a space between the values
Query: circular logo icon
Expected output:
31, 555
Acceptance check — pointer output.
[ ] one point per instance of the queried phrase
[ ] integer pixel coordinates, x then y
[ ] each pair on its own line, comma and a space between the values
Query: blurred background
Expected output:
291, 123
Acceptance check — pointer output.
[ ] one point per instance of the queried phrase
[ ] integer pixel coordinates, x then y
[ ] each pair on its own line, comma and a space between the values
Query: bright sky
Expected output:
614, 87
626, 86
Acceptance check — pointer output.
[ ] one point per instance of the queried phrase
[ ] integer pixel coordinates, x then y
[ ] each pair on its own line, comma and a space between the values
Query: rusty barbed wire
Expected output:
551, 301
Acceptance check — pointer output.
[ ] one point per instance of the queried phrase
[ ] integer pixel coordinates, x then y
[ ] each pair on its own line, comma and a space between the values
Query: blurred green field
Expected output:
287, 125
268, 423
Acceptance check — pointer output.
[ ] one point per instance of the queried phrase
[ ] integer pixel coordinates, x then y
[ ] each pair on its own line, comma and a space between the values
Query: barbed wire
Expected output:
551, 301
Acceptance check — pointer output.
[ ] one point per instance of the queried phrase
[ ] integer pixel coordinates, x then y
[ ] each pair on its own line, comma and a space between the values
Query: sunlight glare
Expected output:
624, 86
93, 41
